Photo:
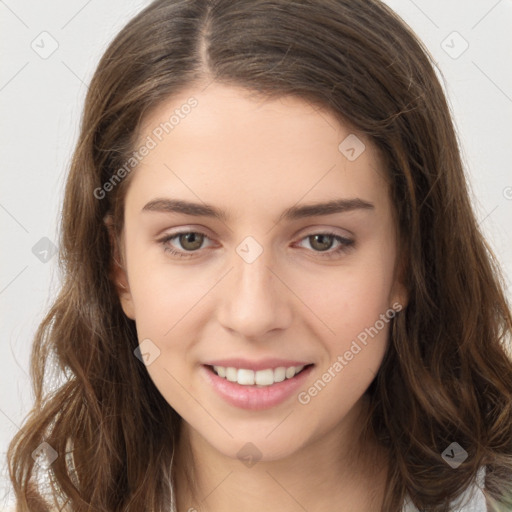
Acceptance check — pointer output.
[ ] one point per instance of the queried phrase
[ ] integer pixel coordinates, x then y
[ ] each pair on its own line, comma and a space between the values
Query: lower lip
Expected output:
252, 397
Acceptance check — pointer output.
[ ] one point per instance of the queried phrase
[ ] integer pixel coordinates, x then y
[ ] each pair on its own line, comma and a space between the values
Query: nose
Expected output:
254, 300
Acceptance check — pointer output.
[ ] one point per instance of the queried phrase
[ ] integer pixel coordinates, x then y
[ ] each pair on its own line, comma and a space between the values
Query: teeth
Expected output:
245, 377
259, 378
231, 374
279, 374
264, 377
290, 372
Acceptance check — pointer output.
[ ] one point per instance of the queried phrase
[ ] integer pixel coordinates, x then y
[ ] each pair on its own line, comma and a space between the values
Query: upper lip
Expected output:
263, 364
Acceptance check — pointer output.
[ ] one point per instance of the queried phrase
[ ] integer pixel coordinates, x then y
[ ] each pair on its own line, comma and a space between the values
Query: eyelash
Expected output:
345, 244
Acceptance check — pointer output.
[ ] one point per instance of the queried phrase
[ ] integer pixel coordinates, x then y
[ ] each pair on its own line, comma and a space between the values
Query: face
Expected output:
255, 277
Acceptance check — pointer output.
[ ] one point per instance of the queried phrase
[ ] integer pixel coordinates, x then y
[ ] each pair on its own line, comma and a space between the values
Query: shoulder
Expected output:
471, 500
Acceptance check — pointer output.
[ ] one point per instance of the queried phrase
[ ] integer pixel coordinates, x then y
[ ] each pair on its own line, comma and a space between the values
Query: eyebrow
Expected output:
165, 205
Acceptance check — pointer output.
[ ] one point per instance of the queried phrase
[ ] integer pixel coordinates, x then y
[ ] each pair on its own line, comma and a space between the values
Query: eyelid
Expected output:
184, 229
324, 230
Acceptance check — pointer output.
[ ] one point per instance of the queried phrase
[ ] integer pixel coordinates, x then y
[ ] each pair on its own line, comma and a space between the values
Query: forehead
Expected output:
227, 144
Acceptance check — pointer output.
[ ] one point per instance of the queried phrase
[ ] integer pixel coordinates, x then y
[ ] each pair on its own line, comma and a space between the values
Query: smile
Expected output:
245, 392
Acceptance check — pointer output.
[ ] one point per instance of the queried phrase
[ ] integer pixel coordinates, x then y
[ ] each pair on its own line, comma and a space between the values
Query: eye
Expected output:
190, 241
322, 242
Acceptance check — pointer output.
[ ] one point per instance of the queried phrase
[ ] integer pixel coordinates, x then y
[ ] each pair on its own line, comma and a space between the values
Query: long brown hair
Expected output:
447, 375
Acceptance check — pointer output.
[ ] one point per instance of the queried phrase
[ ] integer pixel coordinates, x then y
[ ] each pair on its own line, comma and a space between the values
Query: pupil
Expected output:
193, 238
323, 244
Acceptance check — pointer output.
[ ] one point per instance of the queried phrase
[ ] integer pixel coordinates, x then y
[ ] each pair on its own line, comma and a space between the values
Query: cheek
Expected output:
347, 300
162, 291
353, 303
358, 314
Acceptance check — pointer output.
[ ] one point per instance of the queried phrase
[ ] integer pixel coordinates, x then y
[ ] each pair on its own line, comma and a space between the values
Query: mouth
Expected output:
259, 378
256, 390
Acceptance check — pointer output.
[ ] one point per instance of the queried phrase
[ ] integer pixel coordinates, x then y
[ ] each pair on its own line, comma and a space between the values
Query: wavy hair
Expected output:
447, 373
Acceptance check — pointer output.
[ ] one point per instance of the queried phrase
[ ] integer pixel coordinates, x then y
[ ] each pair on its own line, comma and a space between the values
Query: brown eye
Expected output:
191, 241
321, 242
185, 244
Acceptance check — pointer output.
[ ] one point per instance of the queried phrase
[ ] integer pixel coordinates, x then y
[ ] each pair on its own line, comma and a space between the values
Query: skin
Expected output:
254, 159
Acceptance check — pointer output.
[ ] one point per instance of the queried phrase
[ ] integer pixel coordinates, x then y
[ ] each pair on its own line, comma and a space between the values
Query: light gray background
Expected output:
41, 103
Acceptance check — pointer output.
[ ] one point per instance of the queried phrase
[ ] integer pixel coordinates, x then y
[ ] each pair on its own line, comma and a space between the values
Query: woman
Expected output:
275, 294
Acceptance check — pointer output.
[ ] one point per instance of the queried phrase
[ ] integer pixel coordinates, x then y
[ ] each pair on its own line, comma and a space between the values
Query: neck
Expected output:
336, 471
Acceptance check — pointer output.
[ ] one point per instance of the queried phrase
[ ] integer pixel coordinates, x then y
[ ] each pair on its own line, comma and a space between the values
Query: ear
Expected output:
118, 274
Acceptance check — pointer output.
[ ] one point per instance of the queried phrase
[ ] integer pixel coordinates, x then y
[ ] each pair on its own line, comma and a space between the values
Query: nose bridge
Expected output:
254, 301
